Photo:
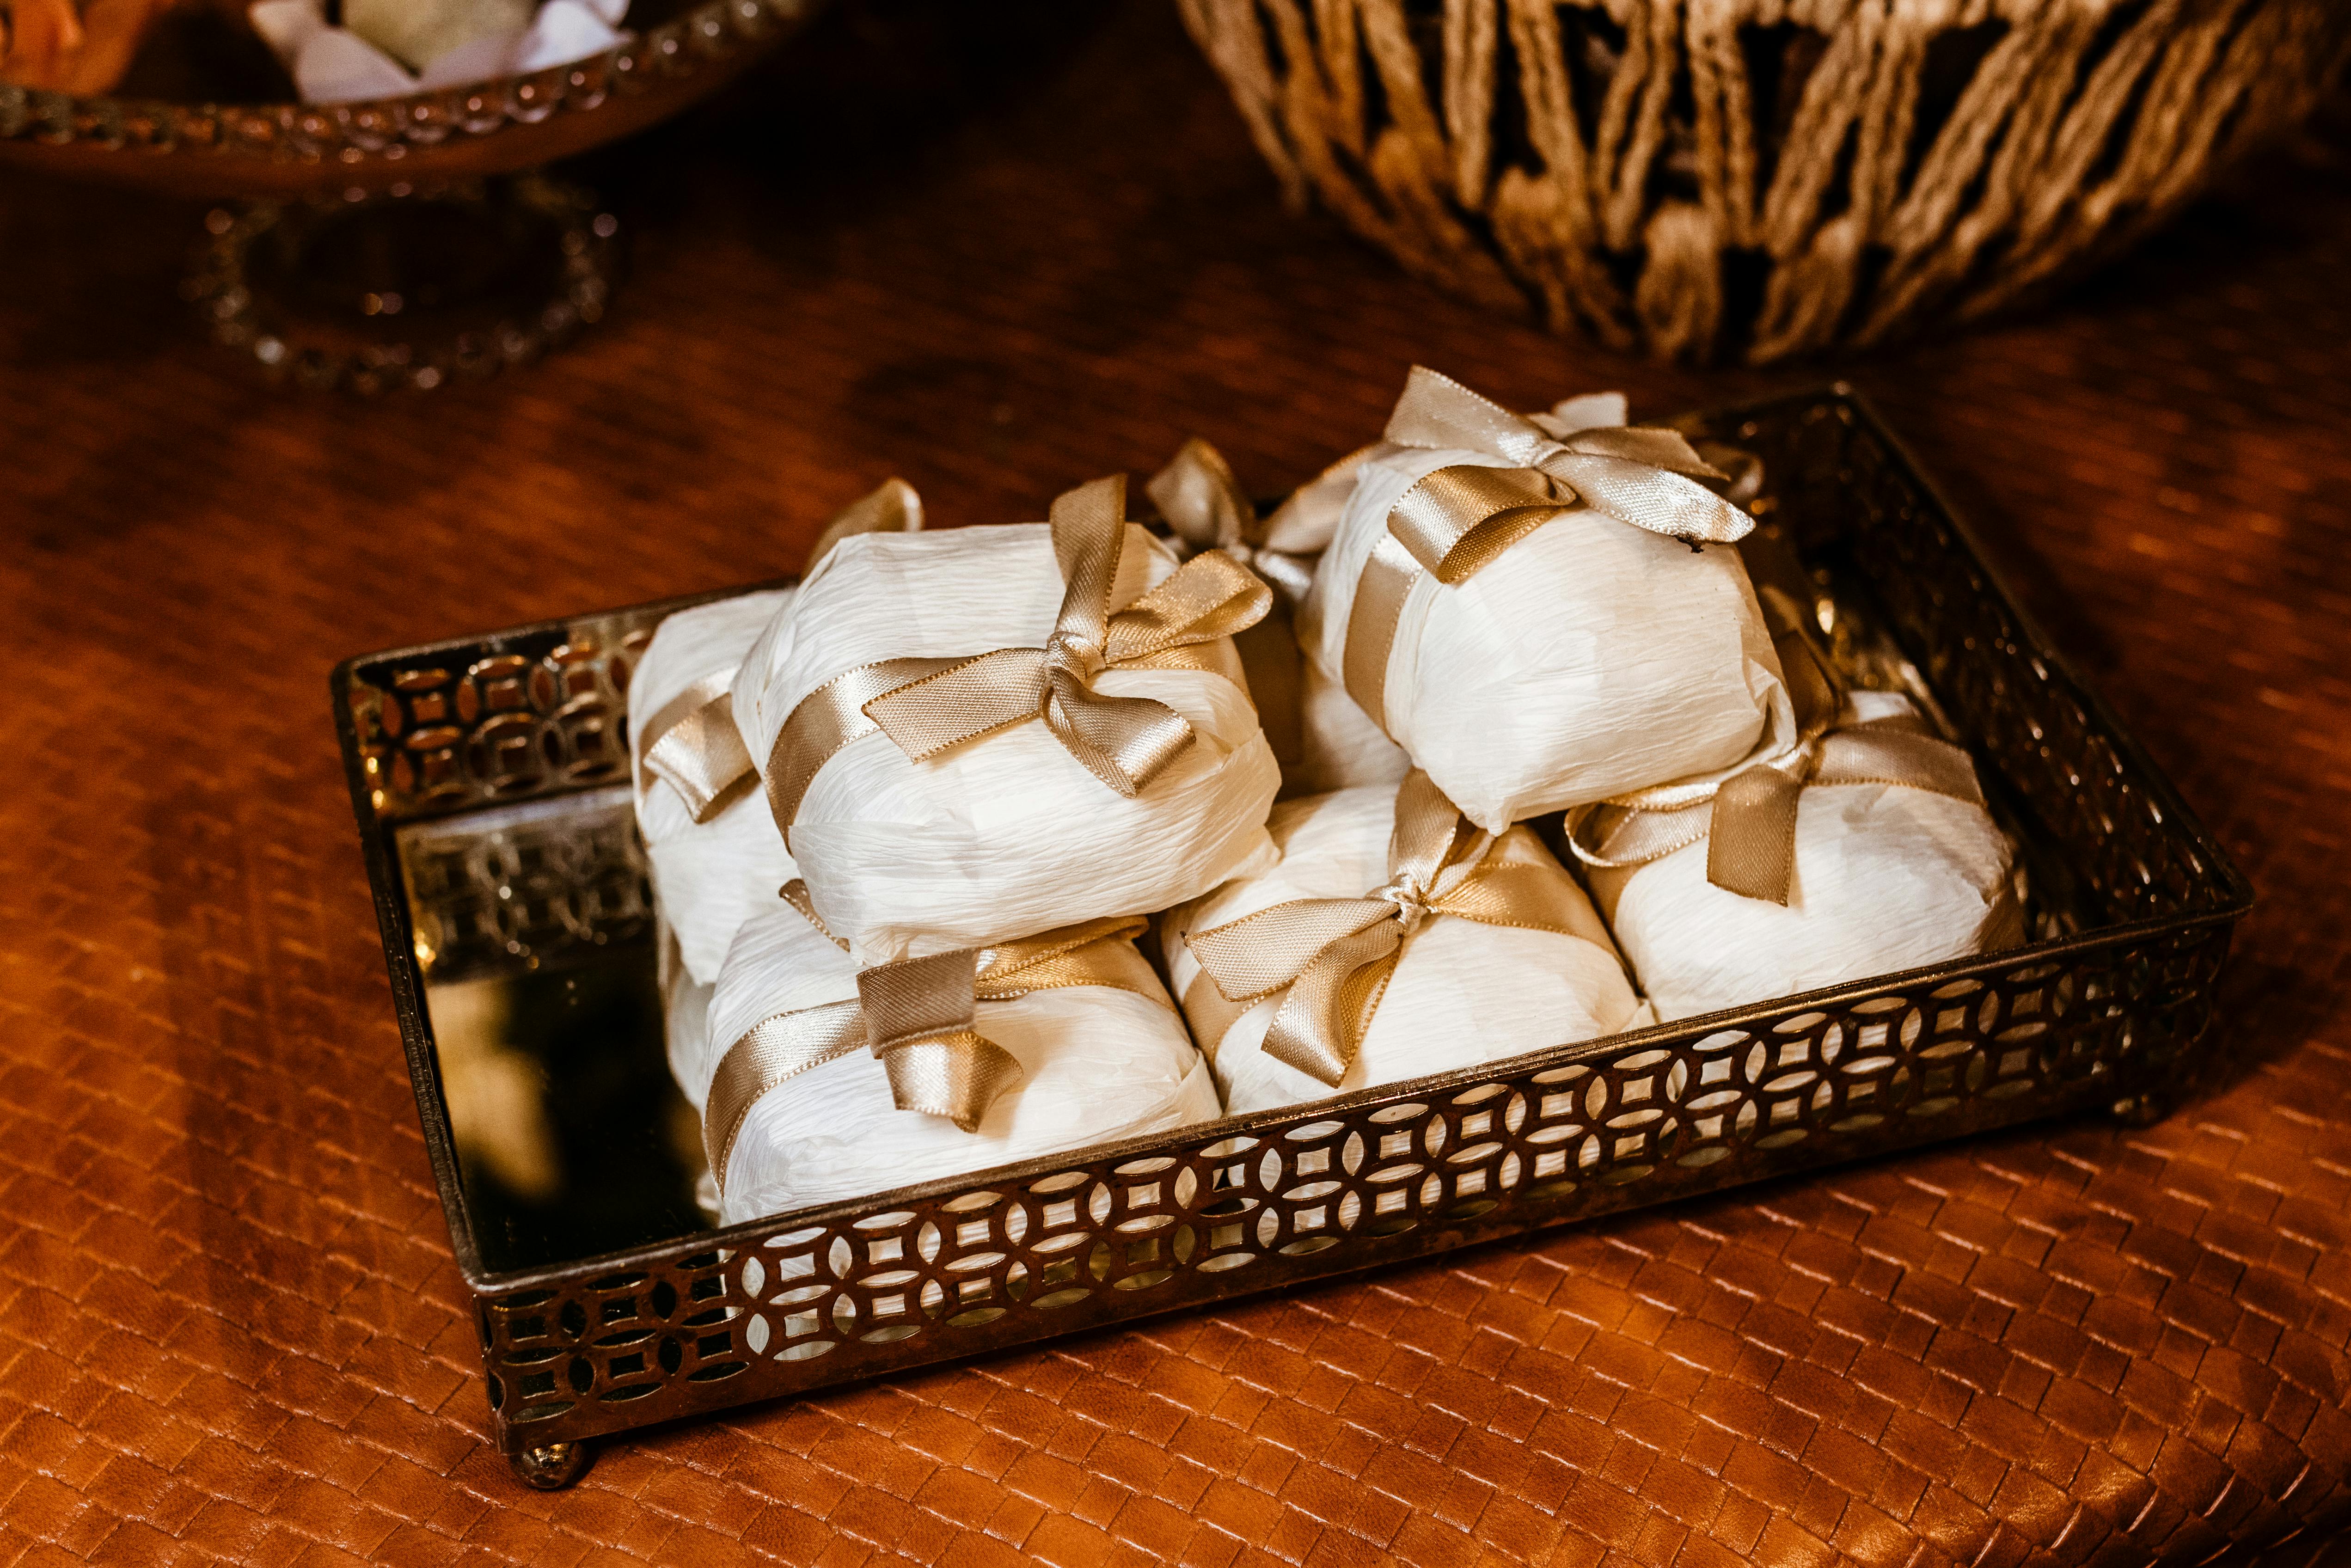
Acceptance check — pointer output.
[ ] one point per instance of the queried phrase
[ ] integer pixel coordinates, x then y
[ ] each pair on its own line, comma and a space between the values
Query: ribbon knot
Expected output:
1074, 657
925, 705
1332, 957
1455, 521
1748, 819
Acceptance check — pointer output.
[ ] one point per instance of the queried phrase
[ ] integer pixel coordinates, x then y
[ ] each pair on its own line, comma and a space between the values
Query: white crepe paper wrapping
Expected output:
708, 877
390, 48
1097, 1064
686, 1024
1463, 992
1592, 659
1339, 747
1887, 878
1005, 835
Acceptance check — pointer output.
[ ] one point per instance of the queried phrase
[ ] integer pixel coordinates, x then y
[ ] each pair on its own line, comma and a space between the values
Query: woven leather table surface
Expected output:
229, 1323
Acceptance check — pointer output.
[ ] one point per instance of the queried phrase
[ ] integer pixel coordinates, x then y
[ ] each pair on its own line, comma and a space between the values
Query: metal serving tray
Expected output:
489, 776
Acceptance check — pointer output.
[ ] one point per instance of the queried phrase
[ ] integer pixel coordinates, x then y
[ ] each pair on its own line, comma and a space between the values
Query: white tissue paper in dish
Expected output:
1006, 834
1593, 658
1463, 993
390, 48
1098, 1064
708, 877
1887, 878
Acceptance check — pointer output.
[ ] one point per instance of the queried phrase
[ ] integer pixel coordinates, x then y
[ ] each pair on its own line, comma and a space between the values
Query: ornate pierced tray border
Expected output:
2111, 1016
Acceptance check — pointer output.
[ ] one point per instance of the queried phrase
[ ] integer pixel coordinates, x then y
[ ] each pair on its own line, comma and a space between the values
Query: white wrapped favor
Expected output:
709, 876
984, 736
717, 855
1101, 1056
1543, 613
1896, 864
1495, 953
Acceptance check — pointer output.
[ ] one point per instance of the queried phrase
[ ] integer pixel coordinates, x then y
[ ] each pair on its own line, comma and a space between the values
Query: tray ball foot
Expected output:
2142, 1110
552, 1467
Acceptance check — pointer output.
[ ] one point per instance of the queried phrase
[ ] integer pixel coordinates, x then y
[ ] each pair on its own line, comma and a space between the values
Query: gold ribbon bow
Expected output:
1334, 957
1457, 520
1208, 510
1748, 819
919, 1017
693, 744
925, 705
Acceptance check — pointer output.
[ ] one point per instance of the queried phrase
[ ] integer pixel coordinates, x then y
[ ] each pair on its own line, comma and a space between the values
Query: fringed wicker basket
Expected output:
1752, 179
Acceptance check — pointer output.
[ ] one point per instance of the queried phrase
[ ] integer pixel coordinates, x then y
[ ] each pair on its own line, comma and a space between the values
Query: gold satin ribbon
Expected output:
1748, 819
925, 705
1207, 510
777, 1048
1312, 511
1458, 520
796, 893
693, 744
1334, 957
919, 1017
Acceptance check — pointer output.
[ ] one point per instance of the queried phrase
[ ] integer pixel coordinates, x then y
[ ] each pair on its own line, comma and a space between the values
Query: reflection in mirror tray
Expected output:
534, 934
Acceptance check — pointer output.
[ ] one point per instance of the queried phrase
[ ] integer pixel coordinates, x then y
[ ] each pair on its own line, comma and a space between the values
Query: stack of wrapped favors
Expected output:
992, 842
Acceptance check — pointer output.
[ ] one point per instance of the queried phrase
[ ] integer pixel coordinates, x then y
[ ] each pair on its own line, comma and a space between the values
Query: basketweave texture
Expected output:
1760, 178
231, 1328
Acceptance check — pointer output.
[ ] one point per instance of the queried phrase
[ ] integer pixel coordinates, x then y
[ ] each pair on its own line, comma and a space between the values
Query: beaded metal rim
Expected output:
586, 238
2102, 1018
356, 136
